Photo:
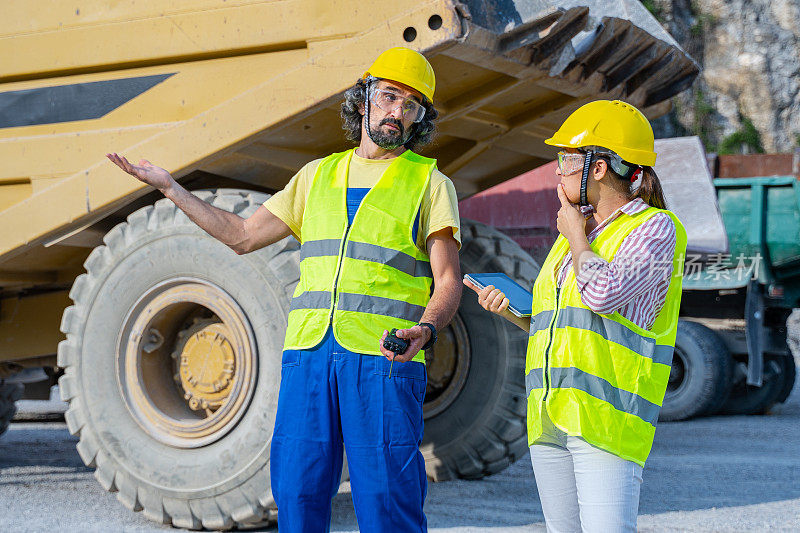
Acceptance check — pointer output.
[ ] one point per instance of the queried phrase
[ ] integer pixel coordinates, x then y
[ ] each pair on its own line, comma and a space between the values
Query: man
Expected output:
379, 227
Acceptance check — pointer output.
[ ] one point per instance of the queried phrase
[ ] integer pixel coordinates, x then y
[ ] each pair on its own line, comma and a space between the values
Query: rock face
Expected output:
793, 334
748, 93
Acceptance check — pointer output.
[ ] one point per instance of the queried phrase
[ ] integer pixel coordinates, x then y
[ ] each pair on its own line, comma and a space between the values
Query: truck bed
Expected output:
244, 95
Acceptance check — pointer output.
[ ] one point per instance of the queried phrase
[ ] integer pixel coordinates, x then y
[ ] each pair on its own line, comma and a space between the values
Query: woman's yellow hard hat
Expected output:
614, 125
405, 66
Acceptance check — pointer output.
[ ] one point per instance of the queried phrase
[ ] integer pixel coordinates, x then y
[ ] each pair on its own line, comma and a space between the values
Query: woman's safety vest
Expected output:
600, 377
366, 277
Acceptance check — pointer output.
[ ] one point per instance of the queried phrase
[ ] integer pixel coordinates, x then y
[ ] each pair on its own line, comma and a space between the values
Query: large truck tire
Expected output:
701, 374
9, 394
793, 340
746, 399
172, 365
475, 404
789, 378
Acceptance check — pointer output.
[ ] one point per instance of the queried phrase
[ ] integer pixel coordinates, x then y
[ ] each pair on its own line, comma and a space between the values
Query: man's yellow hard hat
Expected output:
614, 125
406, 66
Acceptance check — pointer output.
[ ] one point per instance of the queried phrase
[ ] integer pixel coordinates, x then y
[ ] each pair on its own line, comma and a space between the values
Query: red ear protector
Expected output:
636, 174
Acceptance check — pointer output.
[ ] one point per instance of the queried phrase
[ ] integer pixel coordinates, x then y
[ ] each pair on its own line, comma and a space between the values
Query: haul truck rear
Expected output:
167, 343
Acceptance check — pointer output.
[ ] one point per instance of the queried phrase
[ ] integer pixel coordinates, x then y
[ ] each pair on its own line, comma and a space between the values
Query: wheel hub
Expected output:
207, 364
677, 372
187, 362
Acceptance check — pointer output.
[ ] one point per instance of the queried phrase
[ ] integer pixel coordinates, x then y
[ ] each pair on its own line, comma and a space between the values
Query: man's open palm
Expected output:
144, 171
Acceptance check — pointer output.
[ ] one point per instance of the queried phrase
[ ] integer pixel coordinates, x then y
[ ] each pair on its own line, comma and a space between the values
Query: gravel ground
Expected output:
711, 474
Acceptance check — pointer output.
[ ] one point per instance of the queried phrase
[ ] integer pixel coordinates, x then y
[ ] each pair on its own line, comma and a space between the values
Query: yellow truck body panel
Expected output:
243, 93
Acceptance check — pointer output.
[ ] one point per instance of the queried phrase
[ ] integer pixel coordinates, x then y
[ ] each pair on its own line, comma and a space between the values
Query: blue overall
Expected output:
333, 399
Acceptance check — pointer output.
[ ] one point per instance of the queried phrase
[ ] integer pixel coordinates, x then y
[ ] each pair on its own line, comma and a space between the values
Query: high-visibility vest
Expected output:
600, 377
366, 277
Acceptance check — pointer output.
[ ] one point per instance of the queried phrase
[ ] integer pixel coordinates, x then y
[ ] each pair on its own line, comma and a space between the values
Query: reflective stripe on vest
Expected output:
375, 305
575, 378
366, 277
613, 331
368, 252
600, 377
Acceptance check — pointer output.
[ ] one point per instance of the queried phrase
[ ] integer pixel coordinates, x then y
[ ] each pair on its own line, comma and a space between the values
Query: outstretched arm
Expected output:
261, 229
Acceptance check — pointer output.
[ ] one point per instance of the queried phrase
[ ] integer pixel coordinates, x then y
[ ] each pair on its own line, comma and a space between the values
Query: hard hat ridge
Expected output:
614, 125
405, 66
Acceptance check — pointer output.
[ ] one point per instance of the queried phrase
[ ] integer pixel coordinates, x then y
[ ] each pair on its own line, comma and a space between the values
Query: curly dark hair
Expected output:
356, 96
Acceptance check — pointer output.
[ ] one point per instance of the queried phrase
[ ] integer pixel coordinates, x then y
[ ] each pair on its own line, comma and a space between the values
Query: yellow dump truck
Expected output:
167, 344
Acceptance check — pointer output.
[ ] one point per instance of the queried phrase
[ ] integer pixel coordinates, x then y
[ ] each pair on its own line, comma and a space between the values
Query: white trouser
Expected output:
583, 488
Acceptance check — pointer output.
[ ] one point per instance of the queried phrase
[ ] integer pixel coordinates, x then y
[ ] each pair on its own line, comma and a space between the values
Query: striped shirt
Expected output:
635, 282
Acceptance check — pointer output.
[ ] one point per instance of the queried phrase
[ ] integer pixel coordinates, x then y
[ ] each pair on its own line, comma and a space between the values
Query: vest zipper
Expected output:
339, 271
546, 370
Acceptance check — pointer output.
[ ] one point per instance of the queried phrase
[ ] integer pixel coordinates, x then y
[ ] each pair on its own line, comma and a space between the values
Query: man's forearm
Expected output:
229, 228
443, 304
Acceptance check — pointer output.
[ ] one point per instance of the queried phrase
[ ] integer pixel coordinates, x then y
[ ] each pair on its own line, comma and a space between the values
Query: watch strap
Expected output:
432, 340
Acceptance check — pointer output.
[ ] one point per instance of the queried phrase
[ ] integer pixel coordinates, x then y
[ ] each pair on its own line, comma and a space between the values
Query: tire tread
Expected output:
246, 504
9, 394
717, 369
503, 434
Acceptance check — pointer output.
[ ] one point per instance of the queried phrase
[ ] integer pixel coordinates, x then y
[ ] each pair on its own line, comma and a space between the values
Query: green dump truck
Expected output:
166, 344
740, 284
731, 355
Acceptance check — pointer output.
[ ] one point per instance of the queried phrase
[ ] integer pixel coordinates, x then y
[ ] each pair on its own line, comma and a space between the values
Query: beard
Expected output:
388, 140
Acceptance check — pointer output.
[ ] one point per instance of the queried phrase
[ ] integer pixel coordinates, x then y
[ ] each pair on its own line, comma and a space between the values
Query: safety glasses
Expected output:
570, 163
389, 101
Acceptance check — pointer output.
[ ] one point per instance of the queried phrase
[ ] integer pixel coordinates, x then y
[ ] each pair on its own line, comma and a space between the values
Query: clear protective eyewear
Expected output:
570, 163
388, 101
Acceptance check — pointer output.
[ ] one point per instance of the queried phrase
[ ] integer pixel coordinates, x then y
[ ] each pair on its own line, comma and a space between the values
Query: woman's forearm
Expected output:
581, 251
643, 260
522, 322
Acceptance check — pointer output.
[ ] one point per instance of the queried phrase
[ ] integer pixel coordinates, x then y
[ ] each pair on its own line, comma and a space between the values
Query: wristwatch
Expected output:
432, 340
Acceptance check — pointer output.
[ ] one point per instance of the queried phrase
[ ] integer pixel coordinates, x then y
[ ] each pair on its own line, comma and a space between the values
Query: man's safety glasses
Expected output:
388, 101
570, 163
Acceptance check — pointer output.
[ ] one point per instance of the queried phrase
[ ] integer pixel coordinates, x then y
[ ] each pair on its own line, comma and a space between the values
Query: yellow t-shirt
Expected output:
439, 209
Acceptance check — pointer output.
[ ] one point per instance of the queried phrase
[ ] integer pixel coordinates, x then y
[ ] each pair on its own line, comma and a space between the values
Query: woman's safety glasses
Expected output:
570, 163
388, 101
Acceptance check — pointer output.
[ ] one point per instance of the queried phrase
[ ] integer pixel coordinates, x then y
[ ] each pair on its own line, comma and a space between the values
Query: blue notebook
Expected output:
519, 299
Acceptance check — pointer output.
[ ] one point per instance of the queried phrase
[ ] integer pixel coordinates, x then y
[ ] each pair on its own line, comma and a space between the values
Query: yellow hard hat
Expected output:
614, 125
406, 66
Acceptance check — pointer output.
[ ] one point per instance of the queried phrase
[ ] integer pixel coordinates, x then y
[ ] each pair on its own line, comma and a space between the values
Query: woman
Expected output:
605, 313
